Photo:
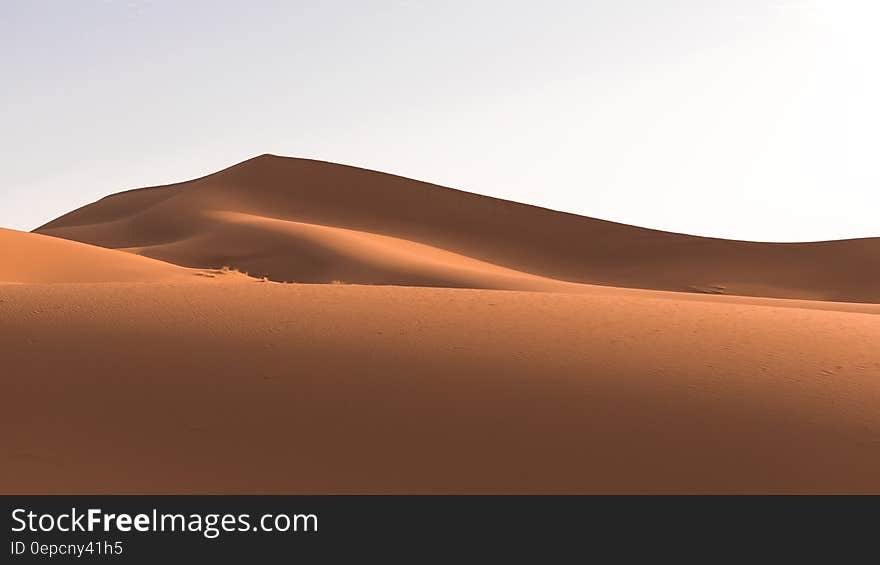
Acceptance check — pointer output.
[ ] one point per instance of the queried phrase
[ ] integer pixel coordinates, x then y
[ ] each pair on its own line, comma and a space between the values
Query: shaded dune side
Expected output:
34, 258
179, 223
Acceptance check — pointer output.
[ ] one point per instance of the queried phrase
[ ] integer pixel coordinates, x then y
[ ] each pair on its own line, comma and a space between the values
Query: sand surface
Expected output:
489, 347
231, 385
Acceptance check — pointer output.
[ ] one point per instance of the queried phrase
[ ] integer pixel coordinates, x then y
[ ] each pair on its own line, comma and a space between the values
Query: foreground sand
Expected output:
226, 384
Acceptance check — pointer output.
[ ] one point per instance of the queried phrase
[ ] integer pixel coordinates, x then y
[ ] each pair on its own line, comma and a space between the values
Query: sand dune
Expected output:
33, 258
230, 385
193, 224
540, 373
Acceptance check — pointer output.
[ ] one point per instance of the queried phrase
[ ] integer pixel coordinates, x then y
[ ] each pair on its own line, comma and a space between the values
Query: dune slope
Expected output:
232, 218
33, 258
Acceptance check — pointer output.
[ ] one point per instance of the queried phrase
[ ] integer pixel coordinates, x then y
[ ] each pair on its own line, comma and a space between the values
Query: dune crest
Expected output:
313, 253
337, 216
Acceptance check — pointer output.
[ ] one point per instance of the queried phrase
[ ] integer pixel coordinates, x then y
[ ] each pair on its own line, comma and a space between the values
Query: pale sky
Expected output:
744, 119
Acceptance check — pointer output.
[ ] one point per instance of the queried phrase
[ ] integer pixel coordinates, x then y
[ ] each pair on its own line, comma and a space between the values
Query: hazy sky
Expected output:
742, 118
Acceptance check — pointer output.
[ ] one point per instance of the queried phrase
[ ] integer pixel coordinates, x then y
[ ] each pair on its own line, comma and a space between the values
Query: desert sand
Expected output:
486, 347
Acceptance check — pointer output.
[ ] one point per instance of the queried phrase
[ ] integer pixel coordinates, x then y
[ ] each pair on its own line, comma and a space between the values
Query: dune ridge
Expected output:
301, 252
188, 223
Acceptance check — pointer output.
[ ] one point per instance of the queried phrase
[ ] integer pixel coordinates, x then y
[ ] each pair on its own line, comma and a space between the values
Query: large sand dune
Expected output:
123, 373
311, 221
